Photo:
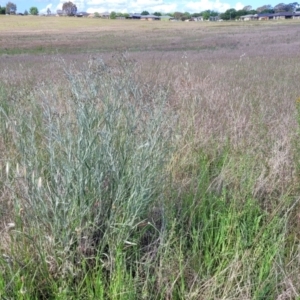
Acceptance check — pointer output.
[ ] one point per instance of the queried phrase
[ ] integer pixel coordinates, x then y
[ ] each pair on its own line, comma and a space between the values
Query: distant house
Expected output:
263, 17
249, 17
105, 15
198, 19
150, 18
165, 18
60, 13
285, 15
144, 17
214, 18
82, 14
134, 16
279, 16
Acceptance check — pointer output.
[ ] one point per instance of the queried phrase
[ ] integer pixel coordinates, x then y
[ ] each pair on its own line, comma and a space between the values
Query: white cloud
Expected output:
99, 9
239, 6
104, 2
207, 5
137, 6
165, 8
80, 4
44, 10
59, 6
133, 6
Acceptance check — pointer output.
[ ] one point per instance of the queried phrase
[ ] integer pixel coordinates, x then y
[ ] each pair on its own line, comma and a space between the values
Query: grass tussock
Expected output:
177, 185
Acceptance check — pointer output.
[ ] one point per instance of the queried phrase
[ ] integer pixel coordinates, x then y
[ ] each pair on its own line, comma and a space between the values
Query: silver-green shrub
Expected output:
93, 159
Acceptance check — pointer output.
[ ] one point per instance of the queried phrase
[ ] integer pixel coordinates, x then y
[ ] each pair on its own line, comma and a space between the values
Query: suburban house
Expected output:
275, 16
150, 18
82, 14
263, 17
165, 18
214, 19
286, 15
249, 18
198, 19
143, 17
60, 13
105, 15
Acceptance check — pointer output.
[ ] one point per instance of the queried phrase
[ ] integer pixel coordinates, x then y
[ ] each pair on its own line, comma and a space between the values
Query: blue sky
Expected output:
137, 6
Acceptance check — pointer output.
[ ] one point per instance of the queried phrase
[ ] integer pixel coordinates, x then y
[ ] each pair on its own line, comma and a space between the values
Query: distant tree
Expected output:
119, 14
96, 15
229, 14
48, 11
205, 14
2, 10
69, 8
126, 15
186, 16
214, 13
281, 7
34, 11
26, 12
11, 8
294, 6
265, 9
113, 15
247, 8
243, 12
145, 13
196, 15
268, 11
208, 13
157, 14
178, 15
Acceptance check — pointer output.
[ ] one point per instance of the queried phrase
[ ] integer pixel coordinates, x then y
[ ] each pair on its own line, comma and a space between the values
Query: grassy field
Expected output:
149, 160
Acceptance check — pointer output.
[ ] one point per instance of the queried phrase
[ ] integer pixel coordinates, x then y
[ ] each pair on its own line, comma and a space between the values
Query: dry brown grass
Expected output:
40, 35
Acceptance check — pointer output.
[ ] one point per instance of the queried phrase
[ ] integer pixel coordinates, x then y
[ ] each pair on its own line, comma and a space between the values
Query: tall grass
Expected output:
115, 186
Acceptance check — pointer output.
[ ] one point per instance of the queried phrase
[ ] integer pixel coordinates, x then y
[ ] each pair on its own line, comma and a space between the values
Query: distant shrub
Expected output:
94, 170
2, 10
34, 11
113, 15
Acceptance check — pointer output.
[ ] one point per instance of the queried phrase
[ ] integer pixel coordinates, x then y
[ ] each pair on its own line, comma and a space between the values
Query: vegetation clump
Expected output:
34, 11
126, 176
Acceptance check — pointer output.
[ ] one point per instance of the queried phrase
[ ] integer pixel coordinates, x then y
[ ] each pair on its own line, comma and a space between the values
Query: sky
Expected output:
137, 6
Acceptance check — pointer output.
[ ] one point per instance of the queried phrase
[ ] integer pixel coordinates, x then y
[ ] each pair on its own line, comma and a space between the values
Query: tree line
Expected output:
11, 9
229, 14
70, 9
232, 14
